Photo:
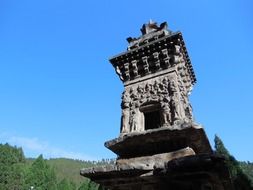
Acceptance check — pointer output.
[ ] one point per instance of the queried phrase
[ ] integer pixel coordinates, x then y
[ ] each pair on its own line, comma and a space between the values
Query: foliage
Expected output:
41, 175
240, 180
69, 168
89, 186
66, 185
11, 167
247, 168
19, 173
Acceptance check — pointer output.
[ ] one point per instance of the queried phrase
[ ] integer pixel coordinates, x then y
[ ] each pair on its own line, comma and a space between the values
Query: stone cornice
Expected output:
151, 58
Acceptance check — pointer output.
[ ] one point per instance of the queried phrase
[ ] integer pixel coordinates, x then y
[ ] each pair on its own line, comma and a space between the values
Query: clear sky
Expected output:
60, 96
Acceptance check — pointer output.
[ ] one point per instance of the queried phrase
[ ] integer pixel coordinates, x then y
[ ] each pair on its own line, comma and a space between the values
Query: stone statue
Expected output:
178, 110
155, 88
125, 120
188, 112
164, 86
166, 114
125, 105
134, 120
140, 93
133, 94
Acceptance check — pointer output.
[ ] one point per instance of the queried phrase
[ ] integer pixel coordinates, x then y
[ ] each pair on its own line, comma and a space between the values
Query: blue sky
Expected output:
60, 96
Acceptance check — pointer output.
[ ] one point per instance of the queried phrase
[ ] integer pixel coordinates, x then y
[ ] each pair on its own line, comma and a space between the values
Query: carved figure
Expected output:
188, 112
173, 86
178, 110
140, 93
125, 105
125, 120
148, 88
135, 118
166, 114
133, 94
164, 86
125, 99
155, 88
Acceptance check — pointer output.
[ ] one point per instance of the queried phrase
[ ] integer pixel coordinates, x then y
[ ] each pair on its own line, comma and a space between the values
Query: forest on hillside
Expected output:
20, 173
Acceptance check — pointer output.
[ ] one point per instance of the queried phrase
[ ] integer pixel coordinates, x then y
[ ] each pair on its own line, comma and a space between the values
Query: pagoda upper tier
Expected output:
156, 52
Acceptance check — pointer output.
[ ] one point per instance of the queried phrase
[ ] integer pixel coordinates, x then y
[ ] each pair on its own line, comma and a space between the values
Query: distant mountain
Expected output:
18, 172
69, 168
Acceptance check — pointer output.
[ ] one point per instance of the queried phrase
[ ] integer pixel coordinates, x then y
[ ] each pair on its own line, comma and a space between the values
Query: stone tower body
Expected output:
158, 76
159, 146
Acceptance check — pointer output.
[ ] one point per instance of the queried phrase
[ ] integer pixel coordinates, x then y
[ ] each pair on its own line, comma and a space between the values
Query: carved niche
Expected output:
160, 102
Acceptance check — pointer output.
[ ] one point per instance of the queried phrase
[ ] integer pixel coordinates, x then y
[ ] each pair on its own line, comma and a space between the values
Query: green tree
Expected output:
12, 162
247, 168
84, 186
41, 176
89, 185
239, 178
66, 185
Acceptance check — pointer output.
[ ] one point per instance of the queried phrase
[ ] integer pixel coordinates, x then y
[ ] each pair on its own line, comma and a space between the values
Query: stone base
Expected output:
195, 172
161, 140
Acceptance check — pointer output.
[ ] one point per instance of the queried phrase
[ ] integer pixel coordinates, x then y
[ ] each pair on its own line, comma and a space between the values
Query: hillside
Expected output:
66, 168
18, 172
69, 168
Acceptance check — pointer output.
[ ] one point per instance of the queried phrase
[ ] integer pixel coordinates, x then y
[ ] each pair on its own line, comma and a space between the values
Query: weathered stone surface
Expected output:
161, 140
189, 172
144, 163
154, 161
159, 146
157, 75
161, 41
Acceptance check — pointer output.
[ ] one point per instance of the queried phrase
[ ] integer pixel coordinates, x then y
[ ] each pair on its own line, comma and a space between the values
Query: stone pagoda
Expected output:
159, 146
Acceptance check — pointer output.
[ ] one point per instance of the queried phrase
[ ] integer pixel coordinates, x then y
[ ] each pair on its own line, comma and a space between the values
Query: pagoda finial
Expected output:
150, 27
151, 21
150, 31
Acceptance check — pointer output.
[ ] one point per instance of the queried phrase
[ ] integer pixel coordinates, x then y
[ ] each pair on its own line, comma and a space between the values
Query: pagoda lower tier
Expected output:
193, 172
179, 158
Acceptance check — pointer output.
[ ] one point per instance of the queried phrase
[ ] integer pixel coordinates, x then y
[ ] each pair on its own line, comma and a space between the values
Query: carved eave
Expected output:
188, 170
155, 57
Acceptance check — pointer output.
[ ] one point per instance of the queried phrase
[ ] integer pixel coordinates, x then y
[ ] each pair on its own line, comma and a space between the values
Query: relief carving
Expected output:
166, 113
125, 105
168, 93
178, 111
134, 120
